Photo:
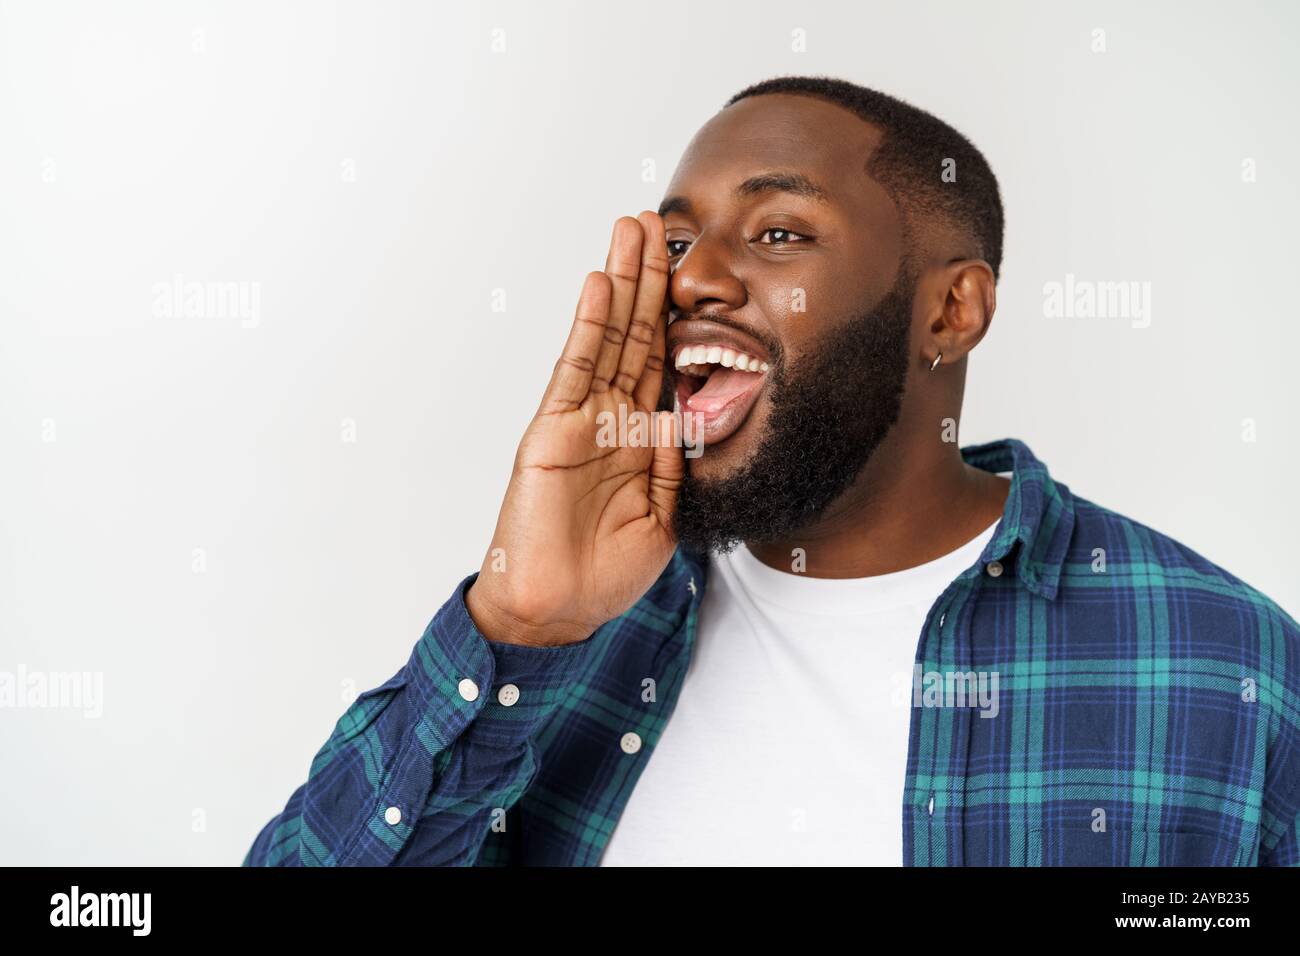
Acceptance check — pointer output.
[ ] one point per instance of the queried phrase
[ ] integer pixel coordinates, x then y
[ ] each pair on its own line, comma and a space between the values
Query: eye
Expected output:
781, 237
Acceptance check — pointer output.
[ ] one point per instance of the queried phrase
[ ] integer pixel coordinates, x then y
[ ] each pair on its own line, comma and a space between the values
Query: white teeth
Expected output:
696, 359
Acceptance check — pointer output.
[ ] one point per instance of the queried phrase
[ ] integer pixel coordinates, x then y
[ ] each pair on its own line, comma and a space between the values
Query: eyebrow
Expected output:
796, 184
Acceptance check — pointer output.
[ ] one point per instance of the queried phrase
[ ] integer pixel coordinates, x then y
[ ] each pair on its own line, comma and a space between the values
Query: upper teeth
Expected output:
717, 355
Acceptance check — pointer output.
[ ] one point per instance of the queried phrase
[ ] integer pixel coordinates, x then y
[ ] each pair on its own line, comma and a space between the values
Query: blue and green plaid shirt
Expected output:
1148, 714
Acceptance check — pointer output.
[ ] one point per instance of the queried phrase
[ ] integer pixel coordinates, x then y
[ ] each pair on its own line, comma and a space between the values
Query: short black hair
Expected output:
910, 161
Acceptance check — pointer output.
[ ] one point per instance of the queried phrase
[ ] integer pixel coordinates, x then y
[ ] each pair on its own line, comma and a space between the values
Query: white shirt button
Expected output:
468, 689
630, 743
393, 816
994, 568
507, 695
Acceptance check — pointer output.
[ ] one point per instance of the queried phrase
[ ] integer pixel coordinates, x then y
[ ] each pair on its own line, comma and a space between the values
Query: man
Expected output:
833, 636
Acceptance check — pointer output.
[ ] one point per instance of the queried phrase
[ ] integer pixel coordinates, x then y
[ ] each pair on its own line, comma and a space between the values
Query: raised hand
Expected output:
586, 524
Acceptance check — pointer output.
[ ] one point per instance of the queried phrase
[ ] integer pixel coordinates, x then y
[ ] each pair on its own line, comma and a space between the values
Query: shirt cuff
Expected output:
454, 659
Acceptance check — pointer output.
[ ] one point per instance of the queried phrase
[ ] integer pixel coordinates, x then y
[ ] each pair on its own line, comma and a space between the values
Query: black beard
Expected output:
827, 418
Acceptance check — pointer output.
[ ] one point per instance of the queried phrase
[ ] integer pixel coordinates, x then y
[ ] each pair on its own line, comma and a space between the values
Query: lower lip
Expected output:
721, 424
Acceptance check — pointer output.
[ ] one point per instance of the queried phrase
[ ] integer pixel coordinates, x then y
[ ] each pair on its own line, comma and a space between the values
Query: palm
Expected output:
586, 524
591, 500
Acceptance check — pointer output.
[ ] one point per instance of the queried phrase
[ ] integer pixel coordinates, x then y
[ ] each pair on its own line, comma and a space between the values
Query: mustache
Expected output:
775, 350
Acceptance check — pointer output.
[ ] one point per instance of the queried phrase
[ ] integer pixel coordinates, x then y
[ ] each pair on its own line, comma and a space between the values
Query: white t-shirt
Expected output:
788, 745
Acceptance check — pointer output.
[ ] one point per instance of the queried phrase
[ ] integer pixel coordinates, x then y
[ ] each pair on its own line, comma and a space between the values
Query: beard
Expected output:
827, 417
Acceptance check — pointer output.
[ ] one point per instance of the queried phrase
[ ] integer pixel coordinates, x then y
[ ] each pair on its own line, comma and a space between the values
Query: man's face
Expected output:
785, 251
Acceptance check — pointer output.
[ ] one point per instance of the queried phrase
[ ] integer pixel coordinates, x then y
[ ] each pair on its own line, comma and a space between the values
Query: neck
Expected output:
915, 501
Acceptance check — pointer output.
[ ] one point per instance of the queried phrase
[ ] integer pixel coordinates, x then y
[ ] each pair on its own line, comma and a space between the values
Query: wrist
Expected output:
500, 625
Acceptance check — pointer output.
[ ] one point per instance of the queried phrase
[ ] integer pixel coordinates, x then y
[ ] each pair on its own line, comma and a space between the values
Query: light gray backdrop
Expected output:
237, 513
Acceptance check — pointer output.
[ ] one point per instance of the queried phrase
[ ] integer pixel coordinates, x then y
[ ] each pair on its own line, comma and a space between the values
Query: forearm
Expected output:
417, 769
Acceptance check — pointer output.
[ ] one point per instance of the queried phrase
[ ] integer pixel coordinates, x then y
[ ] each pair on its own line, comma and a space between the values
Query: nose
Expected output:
703, 275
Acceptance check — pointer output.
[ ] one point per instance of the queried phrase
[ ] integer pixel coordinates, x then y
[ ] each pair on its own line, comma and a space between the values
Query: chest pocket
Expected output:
1080, 846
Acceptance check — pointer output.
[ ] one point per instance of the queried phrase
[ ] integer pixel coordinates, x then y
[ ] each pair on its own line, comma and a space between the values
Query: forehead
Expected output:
779, 131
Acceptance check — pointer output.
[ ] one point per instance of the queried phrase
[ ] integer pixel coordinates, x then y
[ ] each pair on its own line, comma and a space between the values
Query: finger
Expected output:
646, 394
571, 379
667, 468
622, 266
651, 285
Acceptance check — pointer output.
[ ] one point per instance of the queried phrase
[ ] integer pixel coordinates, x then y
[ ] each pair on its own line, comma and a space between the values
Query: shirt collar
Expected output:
1033, 535
1037, 521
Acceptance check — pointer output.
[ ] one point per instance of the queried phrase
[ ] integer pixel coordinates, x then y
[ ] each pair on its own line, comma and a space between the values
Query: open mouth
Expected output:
720, 384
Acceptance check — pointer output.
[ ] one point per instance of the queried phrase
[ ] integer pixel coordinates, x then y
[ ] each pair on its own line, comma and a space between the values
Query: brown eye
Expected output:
781, 236
672, 254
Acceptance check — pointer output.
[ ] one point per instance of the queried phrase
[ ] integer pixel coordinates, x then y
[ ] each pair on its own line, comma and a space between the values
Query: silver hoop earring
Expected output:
935, 364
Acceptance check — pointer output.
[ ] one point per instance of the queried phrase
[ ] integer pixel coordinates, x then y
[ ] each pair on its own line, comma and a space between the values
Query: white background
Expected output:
379, 170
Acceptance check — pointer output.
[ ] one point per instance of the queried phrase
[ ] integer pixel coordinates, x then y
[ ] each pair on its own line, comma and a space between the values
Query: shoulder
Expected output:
1170, 587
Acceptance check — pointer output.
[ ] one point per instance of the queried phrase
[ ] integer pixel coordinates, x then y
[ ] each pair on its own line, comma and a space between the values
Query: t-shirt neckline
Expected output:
831, 596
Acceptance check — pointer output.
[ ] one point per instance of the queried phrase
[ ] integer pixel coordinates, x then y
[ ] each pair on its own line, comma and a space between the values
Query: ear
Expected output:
964, 293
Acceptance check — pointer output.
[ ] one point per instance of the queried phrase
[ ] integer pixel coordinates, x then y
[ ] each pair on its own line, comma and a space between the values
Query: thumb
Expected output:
668, 467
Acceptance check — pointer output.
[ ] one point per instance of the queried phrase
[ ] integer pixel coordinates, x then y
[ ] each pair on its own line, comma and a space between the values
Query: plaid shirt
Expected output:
1148, 714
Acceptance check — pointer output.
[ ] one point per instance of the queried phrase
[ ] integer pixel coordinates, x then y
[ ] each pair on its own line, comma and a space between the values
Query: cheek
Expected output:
787, 303
795, 296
